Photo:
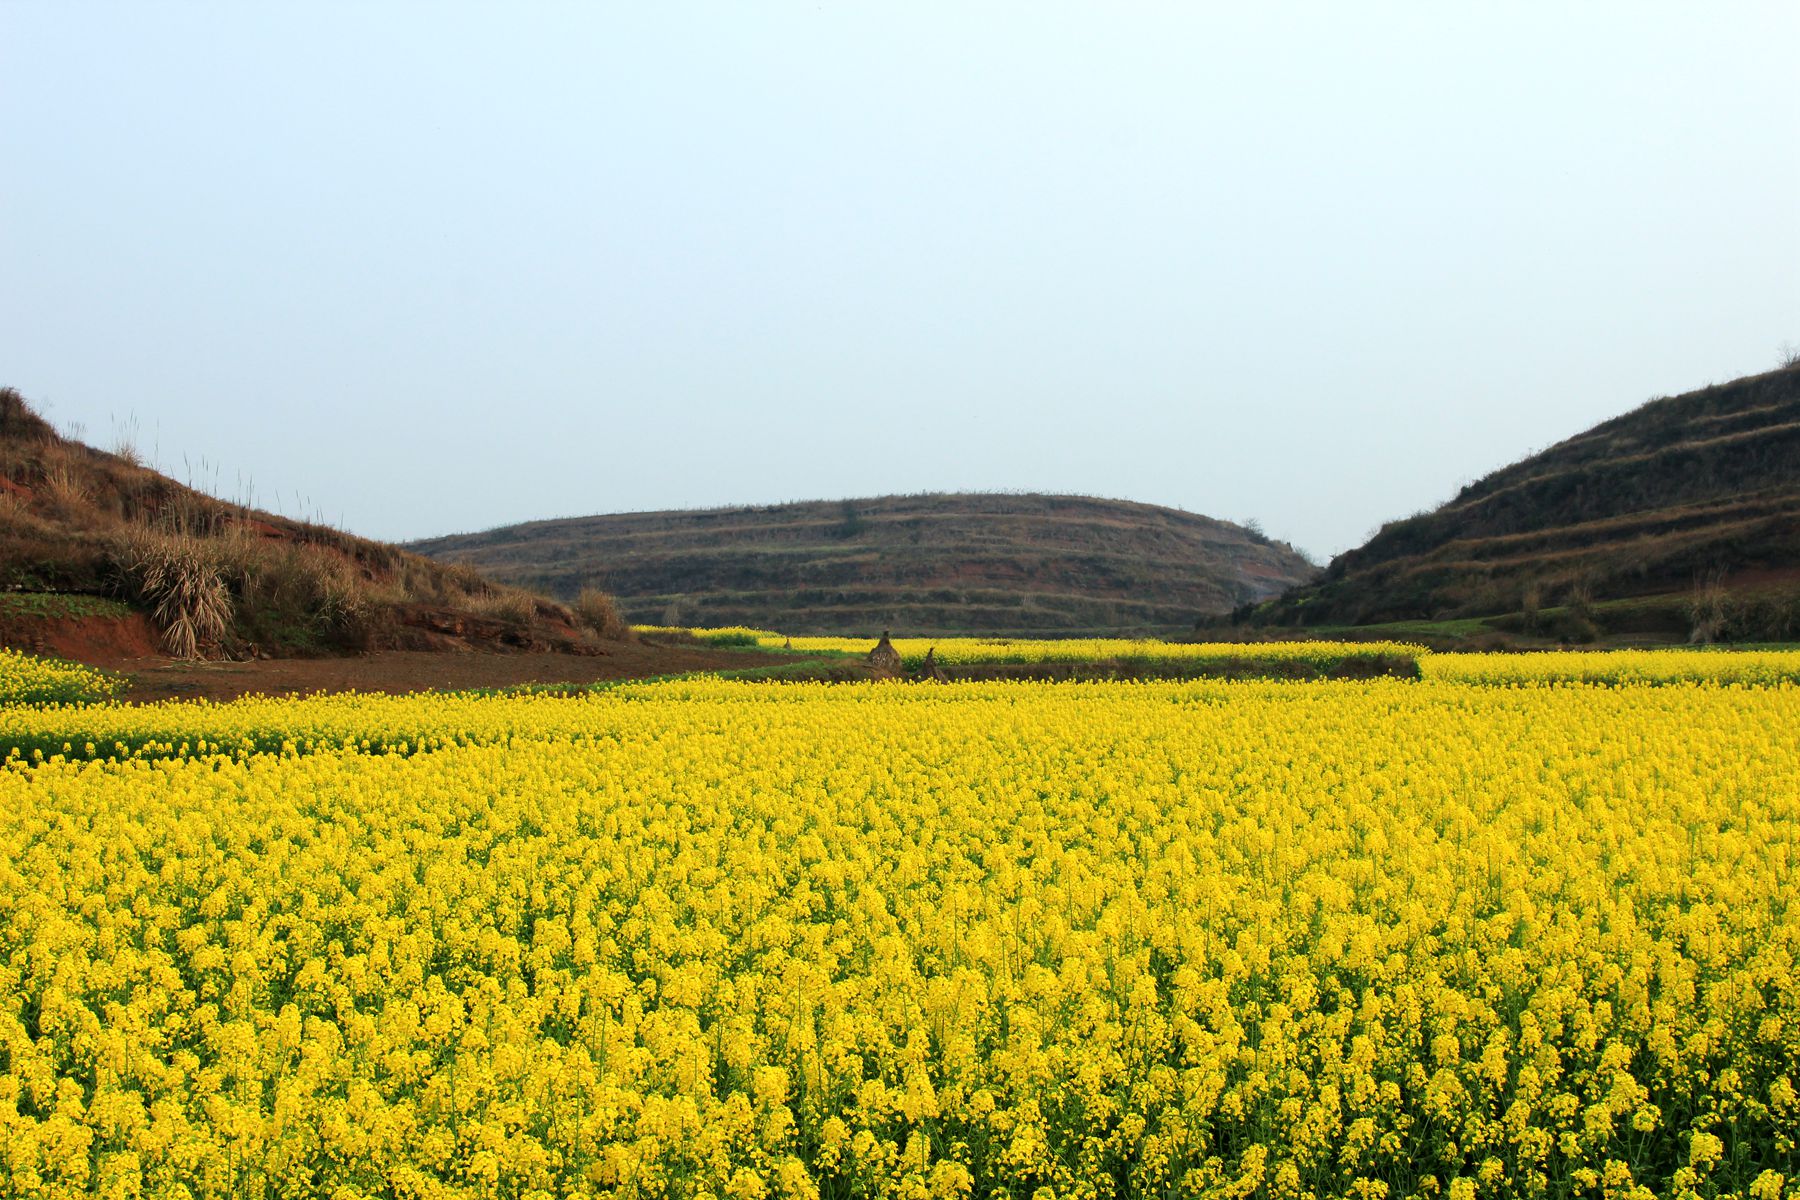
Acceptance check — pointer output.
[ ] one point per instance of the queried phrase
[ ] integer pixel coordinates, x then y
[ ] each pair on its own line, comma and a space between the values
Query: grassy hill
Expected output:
98, 550
926, 564
1678, 520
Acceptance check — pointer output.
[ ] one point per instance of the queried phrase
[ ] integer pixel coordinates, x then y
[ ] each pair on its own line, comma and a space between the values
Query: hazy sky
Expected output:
438, 267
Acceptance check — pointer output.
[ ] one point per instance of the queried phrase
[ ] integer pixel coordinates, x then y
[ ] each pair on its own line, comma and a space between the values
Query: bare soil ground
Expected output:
416, 670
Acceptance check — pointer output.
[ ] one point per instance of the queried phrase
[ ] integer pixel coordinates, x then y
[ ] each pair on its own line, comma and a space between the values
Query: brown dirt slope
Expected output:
1685, 494
100, 639
220, 580
925, 564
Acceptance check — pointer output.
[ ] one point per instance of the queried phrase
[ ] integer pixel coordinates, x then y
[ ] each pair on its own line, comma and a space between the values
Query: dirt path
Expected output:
415, 670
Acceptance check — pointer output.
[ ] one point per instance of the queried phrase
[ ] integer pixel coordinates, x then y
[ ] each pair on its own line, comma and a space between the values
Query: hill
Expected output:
101, 554
927, 564
1680, 519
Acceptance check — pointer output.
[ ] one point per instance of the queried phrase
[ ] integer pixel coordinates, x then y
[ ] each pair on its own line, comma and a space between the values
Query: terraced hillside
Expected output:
923, 564
1680, 517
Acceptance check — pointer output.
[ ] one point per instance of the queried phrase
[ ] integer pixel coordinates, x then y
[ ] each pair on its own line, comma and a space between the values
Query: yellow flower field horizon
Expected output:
1723, 664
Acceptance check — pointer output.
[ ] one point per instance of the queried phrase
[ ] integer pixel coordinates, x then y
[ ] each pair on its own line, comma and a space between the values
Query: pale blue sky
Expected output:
428, 268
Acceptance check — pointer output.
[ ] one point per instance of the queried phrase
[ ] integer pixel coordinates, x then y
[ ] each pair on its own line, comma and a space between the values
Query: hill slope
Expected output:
1694, 499
94, 545
925, 564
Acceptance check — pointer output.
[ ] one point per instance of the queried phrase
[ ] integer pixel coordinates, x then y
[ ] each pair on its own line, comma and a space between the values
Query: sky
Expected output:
417, 269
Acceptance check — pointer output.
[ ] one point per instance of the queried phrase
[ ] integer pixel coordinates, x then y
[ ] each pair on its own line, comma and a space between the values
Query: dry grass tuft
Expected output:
64, 487
178, 579
595, 610
191, 514
505, 604
344, 605
462, 580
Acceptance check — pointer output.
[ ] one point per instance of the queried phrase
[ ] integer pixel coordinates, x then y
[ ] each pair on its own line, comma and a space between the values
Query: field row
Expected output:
406, 724
25, 679
1758, 667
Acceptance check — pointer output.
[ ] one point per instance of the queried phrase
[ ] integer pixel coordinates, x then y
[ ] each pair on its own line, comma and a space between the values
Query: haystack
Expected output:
884, 660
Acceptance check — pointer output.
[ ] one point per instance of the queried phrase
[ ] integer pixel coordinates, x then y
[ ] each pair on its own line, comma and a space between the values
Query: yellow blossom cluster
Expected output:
31, 679
705, 938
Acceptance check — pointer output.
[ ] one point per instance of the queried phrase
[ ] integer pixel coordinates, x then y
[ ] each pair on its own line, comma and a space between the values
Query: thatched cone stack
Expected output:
929, 669
884, 660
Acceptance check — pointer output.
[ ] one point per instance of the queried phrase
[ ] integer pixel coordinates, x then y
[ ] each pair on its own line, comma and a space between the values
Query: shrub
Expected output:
1530, 605
1770, 616
730, 638
853, 524
1708, 612
1568, 625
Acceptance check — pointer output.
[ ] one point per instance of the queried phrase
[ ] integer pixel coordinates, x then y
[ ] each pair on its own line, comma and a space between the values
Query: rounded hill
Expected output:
964, 563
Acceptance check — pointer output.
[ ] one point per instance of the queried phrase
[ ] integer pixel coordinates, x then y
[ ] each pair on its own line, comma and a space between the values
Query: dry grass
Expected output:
462, 580
18, 423
178, 580
191, 514
595, 610
216, 577
505, 604
65, 488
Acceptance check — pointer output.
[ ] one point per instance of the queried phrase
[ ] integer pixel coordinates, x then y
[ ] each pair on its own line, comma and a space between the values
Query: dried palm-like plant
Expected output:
178, 581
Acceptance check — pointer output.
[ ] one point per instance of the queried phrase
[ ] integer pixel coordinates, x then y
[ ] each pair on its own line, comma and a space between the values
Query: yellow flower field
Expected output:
706, 938
956, 651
